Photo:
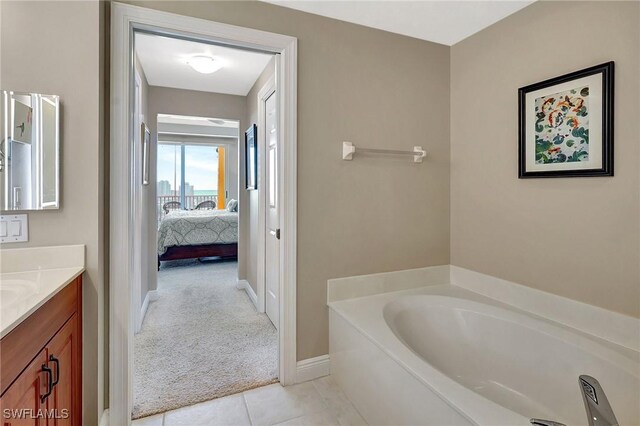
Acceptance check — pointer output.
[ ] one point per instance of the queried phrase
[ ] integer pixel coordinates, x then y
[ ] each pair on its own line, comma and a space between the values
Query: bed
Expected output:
189, 234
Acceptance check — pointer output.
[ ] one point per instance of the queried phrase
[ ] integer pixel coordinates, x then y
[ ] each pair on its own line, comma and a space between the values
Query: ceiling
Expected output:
164, 61
171, 125
445, 22
196, 121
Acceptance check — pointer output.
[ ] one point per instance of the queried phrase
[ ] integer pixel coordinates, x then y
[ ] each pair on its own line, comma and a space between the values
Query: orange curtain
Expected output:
221, 186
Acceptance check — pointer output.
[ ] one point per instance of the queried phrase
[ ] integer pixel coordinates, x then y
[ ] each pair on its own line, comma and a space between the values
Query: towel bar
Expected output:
348, 149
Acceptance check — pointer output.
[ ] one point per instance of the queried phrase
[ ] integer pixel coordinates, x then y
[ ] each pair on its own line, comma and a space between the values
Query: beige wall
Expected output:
249, 199
575, 237
164, 100
376, 89
56, 48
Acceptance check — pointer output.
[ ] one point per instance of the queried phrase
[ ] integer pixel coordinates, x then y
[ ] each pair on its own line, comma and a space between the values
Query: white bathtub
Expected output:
444, 355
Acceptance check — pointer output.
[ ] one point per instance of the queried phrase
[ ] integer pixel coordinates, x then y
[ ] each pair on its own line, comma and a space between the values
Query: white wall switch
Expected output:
14, 228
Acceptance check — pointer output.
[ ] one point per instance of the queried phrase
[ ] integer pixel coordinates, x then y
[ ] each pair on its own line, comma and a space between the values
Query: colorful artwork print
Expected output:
562, 127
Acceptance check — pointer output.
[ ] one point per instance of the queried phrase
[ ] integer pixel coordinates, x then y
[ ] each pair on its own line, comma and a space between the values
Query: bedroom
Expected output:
199, 336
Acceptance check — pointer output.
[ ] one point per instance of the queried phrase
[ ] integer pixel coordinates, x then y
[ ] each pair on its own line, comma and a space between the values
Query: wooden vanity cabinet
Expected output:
41, 364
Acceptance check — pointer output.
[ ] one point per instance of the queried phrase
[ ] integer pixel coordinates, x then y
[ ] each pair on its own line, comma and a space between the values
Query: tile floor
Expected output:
319, 402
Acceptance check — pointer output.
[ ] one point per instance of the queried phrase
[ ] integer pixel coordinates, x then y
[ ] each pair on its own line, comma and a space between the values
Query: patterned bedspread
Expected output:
197, 227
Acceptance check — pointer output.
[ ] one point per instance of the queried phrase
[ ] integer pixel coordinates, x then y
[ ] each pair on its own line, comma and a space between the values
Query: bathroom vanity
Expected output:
41, 336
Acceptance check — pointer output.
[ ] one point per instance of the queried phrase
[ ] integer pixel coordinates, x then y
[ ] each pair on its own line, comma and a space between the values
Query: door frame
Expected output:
265, 92
138, 203
124, 228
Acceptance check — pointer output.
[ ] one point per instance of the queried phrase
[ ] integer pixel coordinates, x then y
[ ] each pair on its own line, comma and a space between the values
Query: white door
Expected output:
272, 252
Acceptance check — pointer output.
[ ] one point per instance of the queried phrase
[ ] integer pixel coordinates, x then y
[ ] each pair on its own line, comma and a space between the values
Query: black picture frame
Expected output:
525, 113
251, 157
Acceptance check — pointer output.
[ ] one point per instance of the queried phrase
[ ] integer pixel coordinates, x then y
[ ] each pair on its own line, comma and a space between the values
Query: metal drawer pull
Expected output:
57, 362
47, 370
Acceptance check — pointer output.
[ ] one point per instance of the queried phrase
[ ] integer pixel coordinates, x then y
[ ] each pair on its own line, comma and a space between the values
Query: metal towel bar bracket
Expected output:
348, 149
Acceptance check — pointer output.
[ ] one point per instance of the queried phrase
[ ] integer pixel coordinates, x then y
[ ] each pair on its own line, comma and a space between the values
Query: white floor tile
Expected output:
316, 403
350, 417
227, 411
275, 404
322, 418
337, 402
149, 421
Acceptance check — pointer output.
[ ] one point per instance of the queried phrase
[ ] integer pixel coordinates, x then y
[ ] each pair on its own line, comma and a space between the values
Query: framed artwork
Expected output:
146, 142
566, 125
251, 157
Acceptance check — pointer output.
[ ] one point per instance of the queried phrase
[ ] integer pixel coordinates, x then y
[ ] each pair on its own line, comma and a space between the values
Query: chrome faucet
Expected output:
599, 411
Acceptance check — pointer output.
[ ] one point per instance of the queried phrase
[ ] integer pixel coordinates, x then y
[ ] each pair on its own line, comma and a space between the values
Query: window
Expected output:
190, 174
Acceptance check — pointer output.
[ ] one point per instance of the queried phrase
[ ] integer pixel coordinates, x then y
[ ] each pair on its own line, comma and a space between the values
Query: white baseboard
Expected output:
244, 285
104, 418
312, 368
151, 296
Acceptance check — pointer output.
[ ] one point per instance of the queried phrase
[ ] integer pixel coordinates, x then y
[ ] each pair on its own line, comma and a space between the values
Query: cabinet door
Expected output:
62, 360
21, 405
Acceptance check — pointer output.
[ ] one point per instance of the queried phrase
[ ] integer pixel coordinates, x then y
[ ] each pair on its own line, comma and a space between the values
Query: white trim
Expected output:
313, 368
265, 92
244, 285
608, 325
104, 418
124, 229
149, 297
138, 203
287, 83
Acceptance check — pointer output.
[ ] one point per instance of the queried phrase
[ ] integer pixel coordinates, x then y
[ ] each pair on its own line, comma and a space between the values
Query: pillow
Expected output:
232, 205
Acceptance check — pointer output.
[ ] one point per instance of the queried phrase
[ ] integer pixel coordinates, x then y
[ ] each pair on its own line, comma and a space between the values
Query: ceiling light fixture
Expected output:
204, 64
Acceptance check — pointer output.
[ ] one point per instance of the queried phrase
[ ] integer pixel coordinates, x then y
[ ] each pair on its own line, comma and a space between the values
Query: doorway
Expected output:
200, 337
126, 228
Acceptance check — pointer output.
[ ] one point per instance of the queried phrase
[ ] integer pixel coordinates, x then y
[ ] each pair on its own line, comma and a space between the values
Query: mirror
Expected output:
29, 151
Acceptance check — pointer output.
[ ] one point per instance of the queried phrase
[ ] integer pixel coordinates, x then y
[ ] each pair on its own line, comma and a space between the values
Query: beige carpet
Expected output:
201, 339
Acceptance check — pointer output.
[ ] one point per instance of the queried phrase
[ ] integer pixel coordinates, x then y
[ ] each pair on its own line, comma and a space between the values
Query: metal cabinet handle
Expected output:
47, 370
57, 362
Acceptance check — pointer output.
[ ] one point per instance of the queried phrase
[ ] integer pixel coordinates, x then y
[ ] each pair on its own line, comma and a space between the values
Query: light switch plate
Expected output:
14, 228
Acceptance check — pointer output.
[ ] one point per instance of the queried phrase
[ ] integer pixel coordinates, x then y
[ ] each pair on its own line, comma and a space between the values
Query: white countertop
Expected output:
22, 293
29, 278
